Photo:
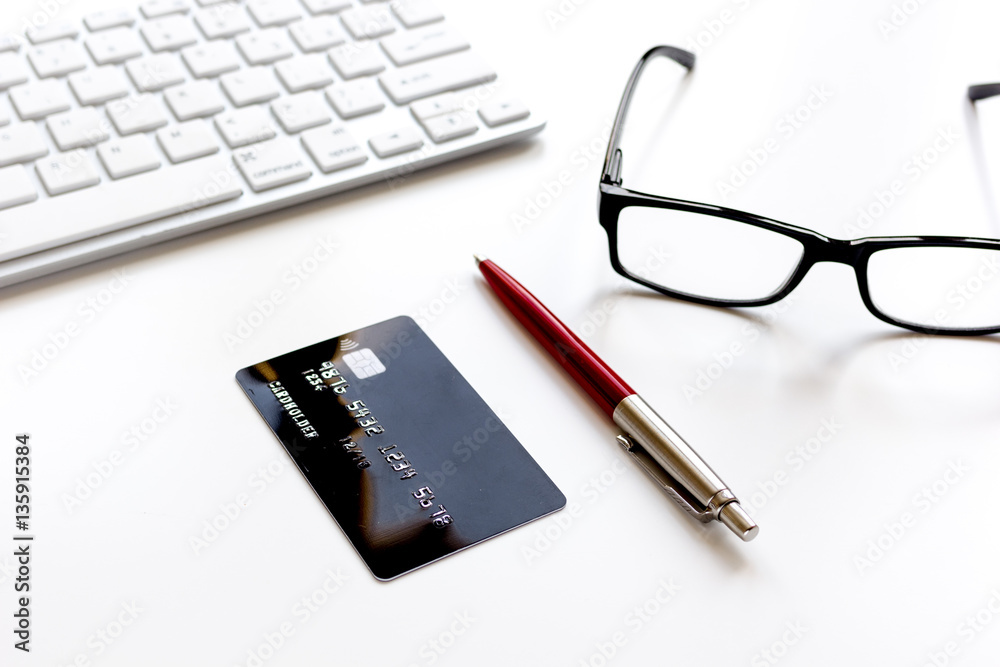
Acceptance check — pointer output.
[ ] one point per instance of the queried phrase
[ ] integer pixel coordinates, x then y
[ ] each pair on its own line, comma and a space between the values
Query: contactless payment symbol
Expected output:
364, 363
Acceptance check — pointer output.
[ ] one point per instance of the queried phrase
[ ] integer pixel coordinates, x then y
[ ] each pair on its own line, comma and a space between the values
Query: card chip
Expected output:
364, 363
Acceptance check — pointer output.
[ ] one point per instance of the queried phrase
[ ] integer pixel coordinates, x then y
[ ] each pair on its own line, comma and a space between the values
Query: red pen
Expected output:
650, 441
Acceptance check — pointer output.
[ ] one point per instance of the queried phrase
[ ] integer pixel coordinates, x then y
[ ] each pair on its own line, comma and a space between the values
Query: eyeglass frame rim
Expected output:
816, 247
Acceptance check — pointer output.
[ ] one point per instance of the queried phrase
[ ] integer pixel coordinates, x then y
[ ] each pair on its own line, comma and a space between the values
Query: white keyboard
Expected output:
144, 124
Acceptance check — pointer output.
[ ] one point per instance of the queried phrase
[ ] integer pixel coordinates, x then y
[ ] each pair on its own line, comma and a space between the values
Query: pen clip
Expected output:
666, 481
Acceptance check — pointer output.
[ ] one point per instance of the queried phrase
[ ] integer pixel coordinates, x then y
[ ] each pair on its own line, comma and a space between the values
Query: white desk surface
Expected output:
872, 549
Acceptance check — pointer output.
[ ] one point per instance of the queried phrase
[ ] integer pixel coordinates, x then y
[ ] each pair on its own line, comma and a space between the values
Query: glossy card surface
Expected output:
404, 453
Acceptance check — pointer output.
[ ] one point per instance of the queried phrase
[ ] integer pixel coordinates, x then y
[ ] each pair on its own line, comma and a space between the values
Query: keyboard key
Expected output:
110, 18
52, 31
300, 112
501, 112
318, 34
98, 85
368, 22
168, 33
10, 42
141, 113
357, 59
430, 42
326, 6
211, 59
453, 72
197, 99
272, 164
415, 13
128, 156
244, 126
332, 148
65, 172
265, 46
57, 58
21, 143
304, 72
115, 45
355, 98
155, 72
450, 126
77, 128
86, 213
4, 116
187, 141
250, 86
435, 106
152, 9
224, 20
274, 12
39, 99
12, 70
393, 143
15, 187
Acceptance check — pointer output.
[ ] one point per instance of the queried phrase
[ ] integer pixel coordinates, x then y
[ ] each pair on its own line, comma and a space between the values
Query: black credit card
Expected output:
404, 453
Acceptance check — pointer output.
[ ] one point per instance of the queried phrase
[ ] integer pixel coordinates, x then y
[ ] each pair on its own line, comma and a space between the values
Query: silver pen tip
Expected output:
737, 520
479, 259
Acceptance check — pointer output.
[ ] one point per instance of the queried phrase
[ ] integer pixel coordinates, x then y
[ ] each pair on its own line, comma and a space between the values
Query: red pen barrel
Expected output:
661, 452
590, 372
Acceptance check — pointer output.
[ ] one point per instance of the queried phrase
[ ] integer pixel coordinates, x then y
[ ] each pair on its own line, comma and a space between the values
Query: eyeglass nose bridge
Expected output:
839, 251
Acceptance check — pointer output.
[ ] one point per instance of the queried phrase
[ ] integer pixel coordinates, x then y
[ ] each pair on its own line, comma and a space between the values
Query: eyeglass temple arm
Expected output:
613, 159
983, 91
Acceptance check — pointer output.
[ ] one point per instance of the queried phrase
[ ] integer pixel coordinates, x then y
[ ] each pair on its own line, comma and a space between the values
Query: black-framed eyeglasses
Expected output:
718, 256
